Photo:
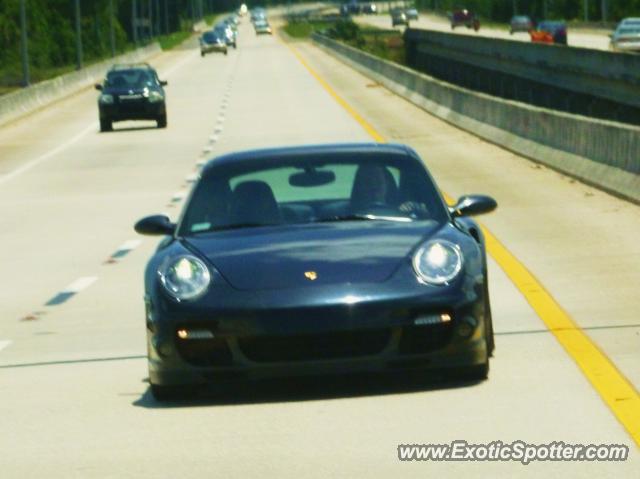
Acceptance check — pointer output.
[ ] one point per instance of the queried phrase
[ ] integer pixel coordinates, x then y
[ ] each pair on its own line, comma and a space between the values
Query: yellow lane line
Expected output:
612, 386
356, 116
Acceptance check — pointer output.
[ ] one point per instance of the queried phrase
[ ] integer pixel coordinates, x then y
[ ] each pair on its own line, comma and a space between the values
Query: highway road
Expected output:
75, 400
593, 39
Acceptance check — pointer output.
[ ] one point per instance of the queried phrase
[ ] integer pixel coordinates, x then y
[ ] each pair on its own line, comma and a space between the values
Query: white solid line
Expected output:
4, 344
41, 159
178, 65
129, 245
80, 284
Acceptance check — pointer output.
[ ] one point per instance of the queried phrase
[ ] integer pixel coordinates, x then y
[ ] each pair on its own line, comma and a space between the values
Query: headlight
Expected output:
438, 262
106, 99
155, 97
185, 277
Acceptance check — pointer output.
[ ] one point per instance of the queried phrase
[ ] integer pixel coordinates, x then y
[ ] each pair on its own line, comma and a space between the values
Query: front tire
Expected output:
488, 321
106, 125
162, 121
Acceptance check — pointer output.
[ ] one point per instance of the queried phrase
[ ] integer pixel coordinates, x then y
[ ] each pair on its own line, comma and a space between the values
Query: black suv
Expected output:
131, 92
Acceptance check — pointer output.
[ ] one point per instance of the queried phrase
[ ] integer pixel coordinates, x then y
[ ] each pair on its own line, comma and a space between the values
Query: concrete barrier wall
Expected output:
612, 76
23, 102
601, 153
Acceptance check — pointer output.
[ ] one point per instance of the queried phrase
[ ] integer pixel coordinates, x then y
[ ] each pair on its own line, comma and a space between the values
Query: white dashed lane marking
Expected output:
126, 248
179, 196
4, 343
71, 290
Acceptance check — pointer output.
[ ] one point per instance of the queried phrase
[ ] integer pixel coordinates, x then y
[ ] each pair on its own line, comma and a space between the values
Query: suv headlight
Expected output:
185, 277
106, 99
155, 96
437, 262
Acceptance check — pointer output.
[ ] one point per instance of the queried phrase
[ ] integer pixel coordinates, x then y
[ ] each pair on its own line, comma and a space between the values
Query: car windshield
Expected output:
130, 79
370, 188
210, 37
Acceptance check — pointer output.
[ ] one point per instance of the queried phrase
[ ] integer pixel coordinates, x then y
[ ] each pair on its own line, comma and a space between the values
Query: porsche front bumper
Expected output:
385, 336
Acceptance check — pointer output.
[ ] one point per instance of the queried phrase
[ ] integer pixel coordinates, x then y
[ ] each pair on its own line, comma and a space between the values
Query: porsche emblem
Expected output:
311, 275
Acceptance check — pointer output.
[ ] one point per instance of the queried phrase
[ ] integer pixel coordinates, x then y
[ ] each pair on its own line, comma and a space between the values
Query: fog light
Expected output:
163, 348
195, 334
467, 326
431, 319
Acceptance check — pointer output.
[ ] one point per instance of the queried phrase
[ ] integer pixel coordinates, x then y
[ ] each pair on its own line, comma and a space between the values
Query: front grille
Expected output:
132, 106
424, 339
313, 347
204, 352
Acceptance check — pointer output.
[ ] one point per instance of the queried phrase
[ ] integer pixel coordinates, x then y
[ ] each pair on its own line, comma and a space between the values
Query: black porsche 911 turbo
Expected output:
316, 259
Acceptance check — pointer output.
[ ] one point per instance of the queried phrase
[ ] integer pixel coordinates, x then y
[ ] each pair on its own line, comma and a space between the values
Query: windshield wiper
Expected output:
364, 217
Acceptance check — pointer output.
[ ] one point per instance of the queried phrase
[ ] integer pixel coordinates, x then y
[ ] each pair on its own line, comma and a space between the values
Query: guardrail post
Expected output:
24, 49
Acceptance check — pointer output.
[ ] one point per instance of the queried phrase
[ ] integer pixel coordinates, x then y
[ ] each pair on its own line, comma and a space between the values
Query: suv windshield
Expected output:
138, 78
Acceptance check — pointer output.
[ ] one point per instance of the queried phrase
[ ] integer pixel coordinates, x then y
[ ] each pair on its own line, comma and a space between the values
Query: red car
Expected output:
465, 18
550, 32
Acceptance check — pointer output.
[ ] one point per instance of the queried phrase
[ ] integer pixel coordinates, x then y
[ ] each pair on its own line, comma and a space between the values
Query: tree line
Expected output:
51, 29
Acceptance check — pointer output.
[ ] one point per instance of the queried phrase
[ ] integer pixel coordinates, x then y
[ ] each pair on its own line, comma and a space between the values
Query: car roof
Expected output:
310, 150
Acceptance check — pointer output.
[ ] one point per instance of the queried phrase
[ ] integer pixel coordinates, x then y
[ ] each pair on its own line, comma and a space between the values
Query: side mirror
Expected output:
155, 225
471, 205
164, 82
98, 86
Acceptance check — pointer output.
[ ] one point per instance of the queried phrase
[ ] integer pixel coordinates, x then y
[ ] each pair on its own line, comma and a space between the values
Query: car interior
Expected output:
374, 191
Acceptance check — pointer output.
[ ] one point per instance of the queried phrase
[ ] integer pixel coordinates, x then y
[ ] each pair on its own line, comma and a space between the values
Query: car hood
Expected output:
312, 254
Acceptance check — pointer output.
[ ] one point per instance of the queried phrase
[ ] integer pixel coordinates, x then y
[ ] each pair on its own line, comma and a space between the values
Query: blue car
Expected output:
316, 260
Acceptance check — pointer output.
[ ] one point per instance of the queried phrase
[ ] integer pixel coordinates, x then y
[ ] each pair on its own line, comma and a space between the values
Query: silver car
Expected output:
262, 27
520, 23
626, 38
